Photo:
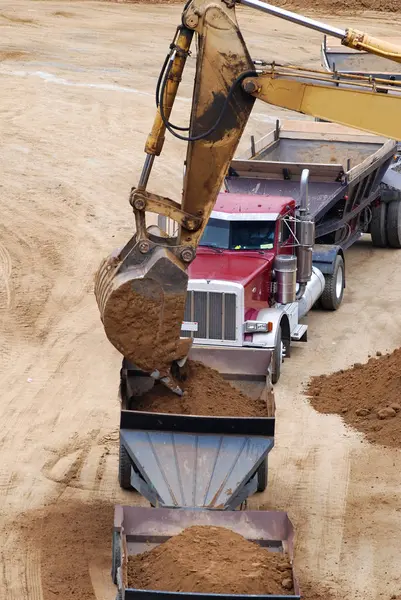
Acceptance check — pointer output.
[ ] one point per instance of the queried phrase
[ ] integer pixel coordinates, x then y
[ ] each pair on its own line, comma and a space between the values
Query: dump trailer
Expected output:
139, 530
344, 61
193, 470
275, 243
157, 450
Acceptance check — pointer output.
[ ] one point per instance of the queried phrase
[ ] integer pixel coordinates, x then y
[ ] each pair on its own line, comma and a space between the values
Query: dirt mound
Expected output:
348, 6
211, 560
205, 393
367, 396
72, 539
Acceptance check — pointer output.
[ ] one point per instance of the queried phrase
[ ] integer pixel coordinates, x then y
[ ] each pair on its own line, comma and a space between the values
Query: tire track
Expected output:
6, 290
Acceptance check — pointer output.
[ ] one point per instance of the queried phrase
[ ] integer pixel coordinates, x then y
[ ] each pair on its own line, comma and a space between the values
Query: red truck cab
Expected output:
240, 242
230, 280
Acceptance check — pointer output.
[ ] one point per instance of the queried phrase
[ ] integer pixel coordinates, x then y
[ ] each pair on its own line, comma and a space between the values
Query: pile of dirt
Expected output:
211, 560
367, 396
73, 540
206, 392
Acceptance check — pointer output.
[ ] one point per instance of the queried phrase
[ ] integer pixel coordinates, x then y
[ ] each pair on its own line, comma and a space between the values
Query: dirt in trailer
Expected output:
205, 393
367, 396
211, 560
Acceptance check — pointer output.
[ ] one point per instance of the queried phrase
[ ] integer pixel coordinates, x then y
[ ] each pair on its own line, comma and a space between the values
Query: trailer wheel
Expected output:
262, 476
124, 469
394, 224
334, 287
378, 229
278, 356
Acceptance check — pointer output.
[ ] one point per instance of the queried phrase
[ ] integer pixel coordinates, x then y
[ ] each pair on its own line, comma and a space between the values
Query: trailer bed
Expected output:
138, 530
345, 167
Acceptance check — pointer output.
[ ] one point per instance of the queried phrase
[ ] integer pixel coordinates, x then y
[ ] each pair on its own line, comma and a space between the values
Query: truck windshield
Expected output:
239, 235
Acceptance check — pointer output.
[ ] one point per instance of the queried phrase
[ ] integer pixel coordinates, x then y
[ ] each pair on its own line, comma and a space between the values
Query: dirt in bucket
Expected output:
206, 392
211, 560
367, 396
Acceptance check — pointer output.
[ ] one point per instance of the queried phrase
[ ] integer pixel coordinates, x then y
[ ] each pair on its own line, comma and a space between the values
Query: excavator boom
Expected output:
141, 289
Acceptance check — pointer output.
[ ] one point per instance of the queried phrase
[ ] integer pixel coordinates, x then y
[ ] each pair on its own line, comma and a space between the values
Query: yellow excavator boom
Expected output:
357, 102
141, 289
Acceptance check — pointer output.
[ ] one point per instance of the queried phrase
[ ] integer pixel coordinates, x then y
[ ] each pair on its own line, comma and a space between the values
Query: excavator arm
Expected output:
141, 288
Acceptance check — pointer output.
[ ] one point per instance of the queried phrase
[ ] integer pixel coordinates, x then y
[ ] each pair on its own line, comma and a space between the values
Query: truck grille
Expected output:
215, 313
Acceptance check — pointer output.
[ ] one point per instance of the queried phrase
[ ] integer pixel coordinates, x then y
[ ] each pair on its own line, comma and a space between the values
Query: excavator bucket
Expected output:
141, 298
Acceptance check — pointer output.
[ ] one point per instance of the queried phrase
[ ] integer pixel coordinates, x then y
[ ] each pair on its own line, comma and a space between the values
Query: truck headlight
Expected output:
258, 327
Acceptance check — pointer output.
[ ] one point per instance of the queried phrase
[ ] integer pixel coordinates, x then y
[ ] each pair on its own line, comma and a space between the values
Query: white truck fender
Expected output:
278, 317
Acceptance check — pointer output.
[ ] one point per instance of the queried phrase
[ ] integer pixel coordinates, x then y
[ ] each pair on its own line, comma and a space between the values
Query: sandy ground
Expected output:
76, 103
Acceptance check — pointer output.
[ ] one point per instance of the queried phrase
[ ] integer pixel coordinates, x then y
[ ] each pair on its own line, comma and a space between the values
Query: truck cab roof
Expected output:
247, 207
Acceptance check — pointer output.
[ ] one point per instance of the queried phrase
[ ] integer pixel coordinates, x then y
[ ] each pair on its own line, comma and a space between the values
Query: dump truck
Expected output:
275, 243
201, 469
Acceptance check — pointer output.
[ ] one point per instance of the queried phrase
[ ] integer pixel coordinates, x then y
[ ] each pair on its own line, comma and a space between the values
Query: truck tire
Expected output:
394, 224
378, 228
262, 476
277, 358
124, 469
334, 287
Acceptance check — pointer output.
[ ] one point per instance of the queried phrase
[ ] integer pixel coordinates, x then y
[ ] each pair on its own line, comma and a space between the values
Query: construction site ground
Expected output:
76, 104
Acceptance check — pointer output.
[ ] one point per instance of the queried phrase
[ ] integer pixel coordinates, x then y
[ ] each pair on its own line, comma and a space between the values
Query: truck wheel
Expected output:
262, 476
334, 287
394, 224
378, 229
277, 357
124, 469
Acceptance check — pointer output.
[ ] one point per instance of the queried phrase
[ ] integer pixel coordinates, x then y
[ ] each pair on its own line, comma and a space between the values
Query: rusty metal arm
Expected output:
357, 103
220, 107
220, 111
146, 201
